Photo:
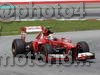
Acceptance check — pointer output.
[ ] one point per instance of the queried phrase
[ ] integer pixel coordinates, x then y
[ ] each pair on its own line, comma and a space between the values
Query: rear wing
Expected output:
30, 29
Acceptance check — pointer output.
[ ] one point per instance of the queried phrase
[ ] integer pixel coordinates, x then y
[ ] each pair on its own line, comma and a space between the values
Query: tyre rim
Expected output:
13, 51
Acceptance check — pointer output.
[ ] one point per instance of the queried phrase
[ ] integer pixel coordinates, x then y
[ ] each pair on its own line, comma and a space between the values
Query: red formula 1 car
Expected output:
47, 47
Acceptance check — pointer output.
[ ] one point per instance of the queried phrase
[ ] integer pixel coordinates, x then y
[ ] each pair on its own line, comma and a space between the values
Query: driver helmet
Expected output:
51, 37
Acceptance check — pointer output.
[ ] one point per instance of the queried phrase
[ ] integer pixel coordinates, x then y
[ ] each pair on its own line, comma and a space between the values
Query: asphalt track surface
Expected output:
92, 38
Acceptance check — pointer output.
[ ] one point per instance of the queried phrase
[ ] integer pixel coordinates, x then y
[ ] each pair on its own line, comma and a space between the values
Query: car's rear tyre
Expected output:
18, 47
82, 47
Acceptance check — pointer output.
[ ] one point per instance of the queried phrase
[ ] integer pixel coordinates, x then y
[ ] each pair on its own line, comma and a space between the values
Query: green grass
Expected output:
13, 28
